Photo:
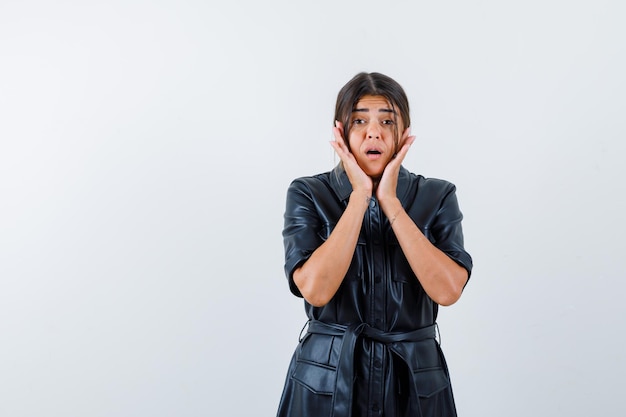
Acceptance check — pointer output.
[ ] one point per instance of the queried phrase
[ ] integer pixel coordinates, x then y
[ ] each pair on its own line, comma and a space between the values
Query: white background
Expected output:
145, 151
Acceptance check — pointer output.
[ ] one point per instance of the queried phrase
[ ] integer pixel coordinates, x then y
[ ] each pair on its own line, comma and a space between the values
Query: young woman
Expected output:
374, 250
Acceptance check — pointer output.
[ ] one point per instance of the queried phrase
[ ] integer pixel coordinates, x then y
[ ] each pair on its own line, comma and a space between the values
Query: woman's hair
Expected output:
371, 84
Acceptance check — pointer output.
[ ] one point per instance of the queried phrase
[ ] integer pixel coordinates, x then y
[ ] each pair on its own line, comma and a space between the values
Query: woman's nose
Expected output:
373, 132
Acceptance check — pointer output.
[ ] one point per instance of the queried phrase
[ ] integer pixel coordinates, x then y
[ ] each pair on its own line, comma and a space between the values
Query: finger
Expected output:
409, 140
341, 151
405, 134
338, 128
339, 142
403, 150
339, 139
338, 134
402, 140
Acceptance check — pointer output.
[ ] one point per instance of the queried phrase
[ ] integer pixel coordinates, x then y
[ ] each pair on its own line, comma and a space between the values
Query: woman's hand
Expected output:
386, 189
361, 182
319, 278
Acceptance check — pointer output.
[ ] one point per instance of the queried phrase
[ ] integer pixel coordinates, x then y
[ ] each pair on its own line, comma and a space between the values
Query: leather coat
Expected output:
371, 350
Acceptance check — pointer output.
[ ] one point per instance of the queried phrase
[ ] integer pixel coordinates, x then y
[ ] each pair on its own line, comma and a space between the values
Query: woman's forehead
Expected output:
371, 101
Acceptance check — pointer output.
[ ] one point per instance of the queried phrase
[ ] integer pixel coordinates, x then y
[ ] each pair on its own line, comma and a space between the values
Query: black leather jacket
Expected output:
371, 349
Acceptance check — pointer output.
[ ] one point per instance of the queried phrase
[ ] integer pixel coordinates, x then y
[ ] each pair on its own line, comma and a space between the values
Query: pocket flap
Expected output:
430, 381
318, 379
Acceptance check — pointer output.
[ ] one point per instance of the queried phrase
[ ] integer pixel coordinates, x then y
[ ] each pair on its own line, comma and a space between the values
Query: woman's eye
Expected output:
388, 122
358, 121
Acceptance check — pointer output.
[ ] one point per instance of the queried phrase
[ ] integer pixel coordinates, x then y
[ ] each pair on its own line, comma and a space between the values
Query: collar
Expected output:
340, 183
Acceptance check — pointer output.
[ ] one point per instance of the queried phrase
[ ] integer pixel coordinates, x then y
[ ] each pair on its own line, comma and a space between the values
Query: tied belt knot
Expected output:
342, 399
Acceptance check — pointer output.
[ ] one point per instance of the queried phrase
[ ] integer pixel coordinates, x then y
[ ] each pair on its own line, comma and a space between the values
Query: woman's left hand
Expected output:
386, 189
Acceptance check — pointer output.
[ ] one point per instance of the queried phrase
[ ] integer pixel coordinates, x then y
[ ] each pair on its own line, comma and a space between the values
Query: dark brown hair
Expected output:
371, 84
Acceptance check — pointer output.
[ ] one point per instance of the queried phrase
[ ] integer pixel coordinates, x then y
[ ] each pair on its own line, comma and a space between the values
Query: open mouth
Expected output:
373, 154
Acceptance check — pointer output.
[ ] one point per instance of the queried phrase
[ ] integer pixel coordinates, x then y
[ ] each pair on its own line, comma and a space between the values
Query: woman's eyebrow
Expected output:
367, 110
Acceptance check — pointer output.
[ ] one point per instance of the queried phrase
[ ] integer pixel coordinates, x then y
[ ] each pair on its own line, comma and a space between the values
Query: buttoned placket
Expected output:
376, 313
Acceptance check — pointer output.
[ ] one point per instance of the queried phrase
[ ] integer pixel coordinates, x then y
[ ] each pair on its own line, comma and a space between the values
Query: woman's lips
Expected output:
373, 154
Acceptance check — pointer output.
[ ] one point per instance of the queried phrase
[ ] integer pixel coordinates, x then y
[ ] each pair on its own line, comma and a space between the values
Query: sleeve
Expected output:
448, 232
301, 232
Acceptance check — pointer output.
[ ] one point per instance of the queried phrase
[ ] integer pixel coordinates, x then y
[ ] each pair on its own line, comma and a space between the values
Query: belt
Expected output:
342, 400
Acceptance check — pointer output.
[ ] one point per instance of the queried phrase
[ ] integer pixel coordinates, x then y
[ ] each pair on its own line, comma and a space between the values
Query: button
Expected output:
372, 203
375, 408
377, 364
377, 279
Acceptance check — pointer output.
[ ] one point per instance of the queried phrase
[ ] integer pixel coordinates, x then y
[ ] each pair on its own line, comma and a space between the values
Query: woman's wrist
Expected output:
360, 197
391, 207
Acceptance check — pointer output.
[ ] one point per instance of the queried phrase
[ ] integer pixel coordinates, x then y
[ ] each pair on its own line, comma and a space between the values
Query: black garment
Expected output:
364, 353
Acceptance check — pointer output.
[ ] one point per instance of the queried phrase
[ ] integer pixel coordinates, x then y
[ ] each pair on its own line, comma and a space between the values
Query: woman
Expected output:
374, 250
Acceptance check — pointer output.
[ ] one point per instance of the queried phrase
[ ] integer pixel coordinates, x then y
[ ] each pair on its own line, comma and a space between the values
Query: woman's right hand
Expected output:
360, 181
319, 277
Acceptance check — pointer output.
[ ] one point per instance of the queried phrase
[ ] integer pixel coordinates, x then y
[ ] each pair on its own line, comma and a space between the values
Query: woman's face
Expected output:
373, 126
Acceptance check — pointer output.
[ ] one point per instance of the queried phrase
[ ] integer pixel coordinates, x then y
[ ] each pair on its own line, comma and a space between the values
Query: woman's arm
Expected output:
441, 277
319, 278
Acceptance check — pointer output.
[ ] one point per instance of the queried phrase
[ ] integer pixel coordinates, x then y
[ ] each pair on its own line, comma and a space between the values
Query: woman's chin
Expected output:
375, 174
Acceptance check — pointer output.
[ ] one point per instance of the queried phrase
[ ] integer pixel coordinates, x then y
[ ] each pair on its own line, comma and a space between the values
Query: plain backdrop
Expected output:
146, 148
